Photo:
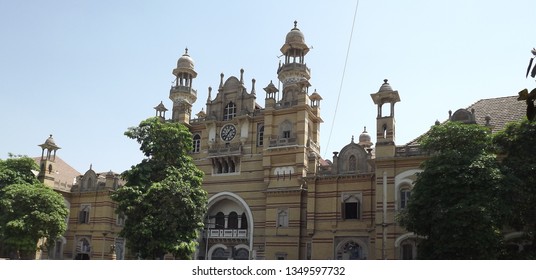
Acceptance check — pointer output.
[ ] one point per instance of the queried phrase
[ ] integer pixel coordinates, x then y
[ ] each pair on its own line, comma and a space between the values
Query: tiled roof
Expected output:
502, 111
65, 173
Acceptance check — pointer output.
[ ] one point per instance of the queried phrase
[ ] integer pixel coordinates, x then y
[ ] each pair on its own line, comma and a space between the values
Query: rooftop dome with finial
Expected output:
385, 86
295, 40
295, 36
364, 138
50, 144
185, 61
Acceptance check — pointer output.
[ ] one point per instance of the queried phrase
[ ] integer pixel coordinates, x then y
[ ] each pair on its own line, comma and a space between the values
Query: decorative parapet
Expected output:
226, 149
281, 142
409, 151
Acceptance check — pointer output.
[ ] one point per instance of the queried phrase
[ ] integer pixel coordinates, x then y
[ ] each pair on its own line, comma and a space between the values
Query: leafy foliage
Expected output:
162, 199
455, 203
29, 210
516, 143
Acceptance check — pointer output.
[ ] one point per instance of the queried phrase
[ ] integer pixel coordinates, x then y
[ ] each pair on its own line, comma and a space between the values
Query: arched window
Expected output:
232, 220
241, 254
220, 221
260, 136
219, 254
50, 168
282, 217
229, 112
197, 143
405, 194
350, 251
352, 163
408, 249
244, 221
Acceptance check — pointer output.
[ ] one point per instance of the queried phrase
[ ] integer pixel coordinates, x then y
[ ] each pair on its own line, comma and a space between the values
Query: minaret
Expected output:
47, 168
182, 94
385, 124
293, 73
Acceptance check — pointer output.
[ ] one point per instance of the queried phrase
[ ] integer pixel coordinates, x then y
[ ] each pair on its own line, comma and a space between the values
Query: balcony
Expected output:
227, 233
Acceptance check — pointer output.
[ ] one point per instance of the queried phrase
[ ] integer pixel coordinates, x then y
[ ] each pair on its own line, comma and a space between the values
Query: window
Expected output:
260, 136
282, 217
229, 112
407, 252
352, 163
351, 206
83, 215
408, 249
404, 197
120, 219
197, 143
232, 220
244, 221
241, 254
223, 165
220, 221
350, 251
285, 129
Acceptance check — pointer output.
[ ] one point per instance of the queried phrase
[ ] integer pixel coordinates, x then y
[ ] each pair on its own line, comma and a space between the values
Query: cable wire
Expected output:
342, 78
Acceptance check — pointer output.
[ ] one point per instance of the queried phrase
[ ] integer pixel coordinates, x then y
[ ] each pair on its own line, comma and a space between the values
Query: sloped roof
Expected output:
501, 110
65, 173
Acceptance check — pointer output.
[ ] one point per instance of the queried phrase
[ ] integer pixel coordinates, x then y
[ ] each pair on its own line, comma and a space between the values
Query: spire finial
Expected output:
352, 139
295, 24
385, 81
365, 129
186, 50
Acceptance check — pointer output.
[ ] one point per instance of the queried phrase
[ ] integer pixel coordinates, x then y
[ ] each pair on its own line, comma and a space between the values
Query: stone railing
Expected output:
227, 233
281, 142
227, 149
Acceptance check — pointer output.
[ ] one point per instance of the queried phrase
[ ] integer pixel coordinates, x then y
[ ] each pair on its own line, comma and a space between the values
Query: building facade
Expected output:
271, 194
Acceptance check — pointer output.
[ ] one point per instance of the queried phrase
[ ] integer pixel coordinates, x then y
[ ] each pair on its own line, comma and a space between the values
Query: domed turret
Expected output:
185, 65
181, 93
385, 86
295, 42
365, 139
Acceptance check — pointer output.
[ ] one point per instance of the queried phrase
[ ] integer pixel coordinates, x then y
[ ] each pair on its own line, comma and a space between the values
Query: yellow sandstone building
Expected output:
271, 195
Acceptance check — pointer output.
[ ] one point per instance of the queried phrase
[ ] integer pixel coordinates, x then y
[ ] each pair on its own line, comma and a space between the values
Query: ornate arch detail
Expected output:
359, 242
240, 201
214, 247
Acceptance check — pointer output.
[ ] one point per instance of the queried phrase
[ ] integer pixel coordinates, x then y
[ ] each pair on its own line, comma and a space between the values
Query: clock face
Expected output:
228, 132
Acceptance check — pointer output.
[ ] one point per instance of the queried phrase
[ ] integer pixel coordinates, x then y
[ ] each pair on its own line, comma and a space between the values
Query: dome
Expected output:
385, 86
365, 139
50, 141
295, 36
185, 61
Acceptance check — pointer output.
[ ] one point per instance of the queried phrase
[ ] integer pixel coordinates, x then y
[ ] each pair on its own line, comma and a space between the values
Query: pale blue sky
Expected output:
85, 71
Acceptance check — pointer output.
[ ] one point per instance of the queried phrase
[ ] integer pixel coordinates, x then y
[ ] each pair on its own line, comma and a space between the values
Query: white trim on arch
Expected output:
404, 237
236, 198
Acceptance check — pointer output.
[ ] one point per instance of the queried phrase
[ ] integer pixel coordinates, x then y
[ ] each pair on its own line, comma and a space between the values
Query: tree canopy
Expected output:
162, 198
454, 203
516, 144
29, 210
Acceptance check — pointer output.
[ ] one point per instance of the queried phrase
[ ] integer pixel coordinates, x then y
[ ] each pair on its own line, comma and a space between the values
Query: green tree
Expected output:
454, 203
29, 210
162, 199
516, 144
